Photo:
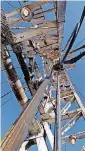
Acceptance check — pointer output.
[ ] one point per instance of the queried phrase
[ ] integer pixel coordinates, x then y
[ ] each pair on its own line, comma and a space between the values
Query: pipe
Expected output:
13, 78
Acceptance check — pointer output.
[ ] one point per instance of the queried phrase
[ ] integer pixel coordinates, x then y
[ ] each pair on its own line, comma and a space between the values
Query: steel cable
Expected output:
6, 101
9, 4
79, 43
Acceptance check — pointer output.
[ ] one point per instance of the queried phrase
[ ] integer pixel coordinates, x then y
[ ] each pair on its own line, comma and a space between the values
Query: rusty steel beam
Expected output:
6, 34
30, 7
18, 52
13, 78
48, 27
20, 130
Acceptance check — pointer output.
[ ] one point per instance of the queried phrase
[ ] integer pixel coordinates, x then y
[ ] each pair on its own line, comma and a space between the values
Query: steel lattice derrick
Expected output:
72, 116
41, 40
47, 26
47, 111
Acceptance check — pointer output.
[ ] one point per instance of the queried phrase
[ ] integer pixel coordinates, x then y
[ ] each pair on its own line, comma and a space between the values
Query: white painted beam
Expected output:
49, 134
41, 142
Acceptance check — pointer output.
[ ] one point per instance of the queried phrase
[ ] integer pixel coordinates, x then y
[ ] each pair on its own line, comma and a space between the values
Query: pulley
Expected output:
26, 14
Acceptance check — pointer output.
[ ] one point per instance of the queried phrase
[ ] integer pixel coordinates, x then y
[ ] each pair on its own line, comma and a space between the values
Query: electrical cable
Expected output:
11, 82
82, 47
8, 99
5, 69
10, 91
79, 43
9, 4
6, 102
6, 93
4, 82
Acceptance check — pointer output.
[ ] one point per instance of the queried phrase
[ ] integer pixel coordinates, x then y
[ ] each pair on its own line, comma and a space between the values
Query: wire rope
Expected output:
9, 4
79, 43
6, 93
11, 82
19, 3
10, 92
6, 101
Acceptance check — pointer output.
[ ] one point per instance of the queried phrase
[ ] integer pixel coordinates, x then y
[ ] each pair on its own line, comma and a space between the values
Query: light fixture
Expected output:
72, 139
24, 12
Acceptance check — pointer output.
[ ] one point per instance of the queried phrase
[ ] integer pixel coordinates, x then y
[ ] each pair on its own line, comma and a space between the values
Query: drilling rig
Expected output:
36, 42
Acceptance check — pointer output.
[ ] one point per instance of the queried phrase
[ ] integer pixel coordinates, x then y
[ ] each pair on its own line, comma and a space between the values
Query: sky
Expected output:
11, 110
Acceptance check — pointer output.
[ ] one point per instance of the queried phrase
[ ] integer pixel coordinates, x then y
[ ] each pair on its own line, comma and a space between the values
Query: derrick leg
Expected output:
41, 144
49, 134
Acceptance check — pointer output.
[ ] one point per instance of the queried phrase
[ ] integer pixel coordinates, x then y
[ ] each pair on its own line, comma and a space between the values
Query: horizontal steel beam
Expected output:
79, 135
30, 7
66, 116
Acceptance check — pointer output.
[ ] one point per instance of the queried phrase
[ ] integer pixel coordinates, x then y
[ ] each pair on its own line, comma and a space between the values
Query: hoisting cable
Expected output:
81, 20
79, 43
75, 59
74, 36
82, 47
71, 44
69, 39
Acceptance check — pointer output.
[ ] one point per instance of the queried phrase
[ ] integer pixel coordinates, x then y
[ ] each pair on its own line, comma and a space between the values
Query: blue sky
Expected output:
11, 110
